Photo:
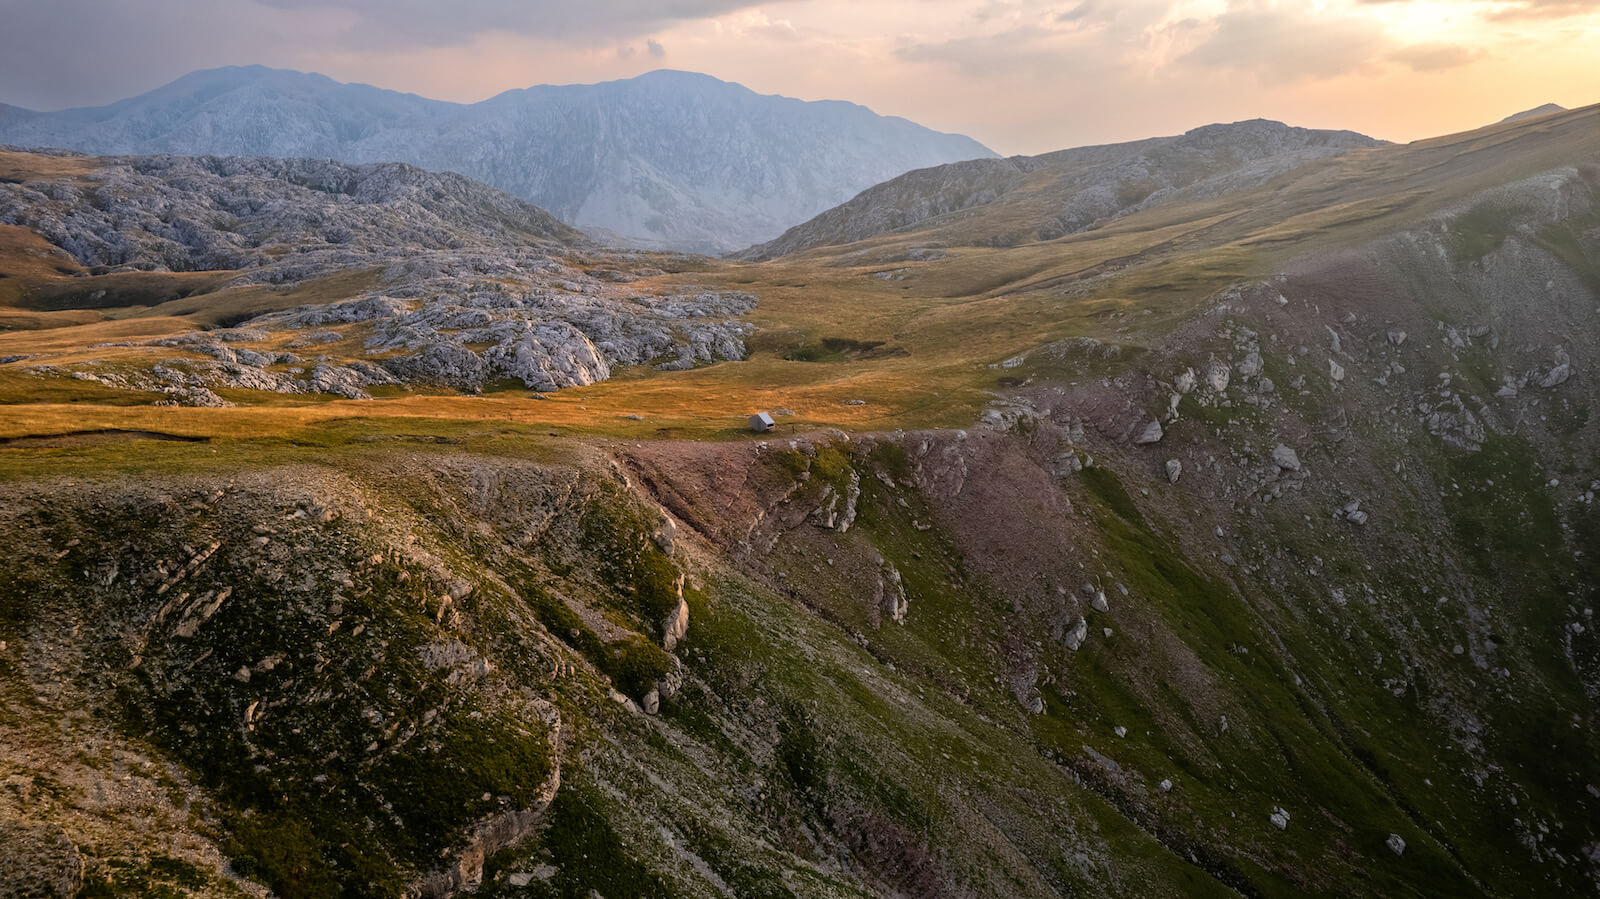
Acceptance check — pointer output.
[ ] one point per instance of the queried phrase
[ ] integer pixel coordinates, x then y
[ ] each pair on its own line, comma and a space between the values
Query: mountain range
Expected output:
669, 159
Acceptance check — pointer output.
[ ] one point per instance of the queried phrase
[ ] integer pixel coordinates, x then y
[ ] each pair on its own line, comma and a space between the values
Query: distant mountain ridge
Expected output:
1534, 113
1024, 198
668, 159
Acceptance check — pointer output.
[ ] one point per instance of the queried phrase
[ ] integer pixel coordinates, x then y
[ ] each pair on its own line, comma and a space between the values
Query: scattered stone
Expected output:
1557, 376
1279, 819
1335, 370
1120, 731
1174, 470
1396, 844
1352, 513
1165, 786
1397, 338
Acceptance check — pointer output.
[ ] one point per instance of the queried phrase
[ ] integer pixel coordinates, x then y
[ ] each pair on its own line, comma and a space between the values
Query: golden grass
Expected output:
942, 324
34, 167
232, 304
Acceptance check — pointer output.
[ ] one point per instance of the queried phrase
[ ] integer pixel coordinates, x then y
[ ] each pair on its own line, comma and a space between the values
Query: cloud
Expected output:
1434, 57
428, 23
982, 56
1283, 45
1500, 10
654, 47
1090, 39
1545, 9
75, 52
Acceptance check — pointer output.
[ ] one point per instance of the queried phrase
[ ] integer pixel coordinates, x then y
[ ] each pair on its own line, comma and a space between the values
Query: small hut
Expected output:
761, 422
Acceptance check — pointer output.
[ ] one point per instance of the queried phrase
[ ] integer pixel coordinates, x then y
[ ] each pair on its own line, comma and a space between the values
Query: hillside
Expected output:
669, 160
1004, 202
1238, 543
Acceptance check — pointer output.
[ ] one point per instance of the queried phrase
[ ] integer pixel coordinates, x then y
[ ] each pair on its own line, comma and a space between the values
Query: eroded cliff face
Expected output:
1014, 660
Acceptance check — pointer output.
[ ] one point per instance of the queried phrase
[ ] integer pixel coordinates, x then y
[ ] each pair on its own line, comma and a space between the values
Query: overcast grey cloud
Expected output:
403, 23
58, 53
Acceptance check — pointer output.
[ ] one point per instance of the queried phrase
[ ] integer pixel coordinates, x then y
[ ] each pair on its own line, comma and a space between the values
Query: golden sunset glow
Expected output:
1023, 76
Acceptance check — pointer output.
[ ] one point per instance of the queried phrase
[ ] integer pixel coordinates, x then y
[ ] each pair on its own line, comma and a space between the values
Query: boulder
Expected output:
1285, 458
1152, 433
1174, 470
1078, 634
1217, 376
1396, 843
1279, 819
1335, 370
1556, 376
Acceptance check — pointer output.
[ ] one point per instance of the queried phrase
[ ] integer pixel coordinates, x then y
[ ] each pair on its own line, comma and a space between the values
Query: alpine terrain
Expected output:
670, 160
1212, 515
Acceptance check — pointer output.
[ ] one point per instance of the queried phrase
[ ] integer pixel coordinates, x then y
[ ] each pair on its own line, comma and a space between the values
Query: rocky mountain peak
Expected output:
669, 159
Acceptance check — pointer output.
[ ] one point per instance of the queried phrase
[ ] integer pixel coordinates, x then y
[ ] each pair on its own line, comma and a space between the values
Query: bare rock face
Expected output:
893, 599
676, 624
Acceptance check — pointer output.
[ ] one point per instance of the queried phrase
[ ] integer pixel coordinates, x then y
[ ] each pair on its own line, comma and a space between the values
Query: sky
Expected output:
1022, 76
